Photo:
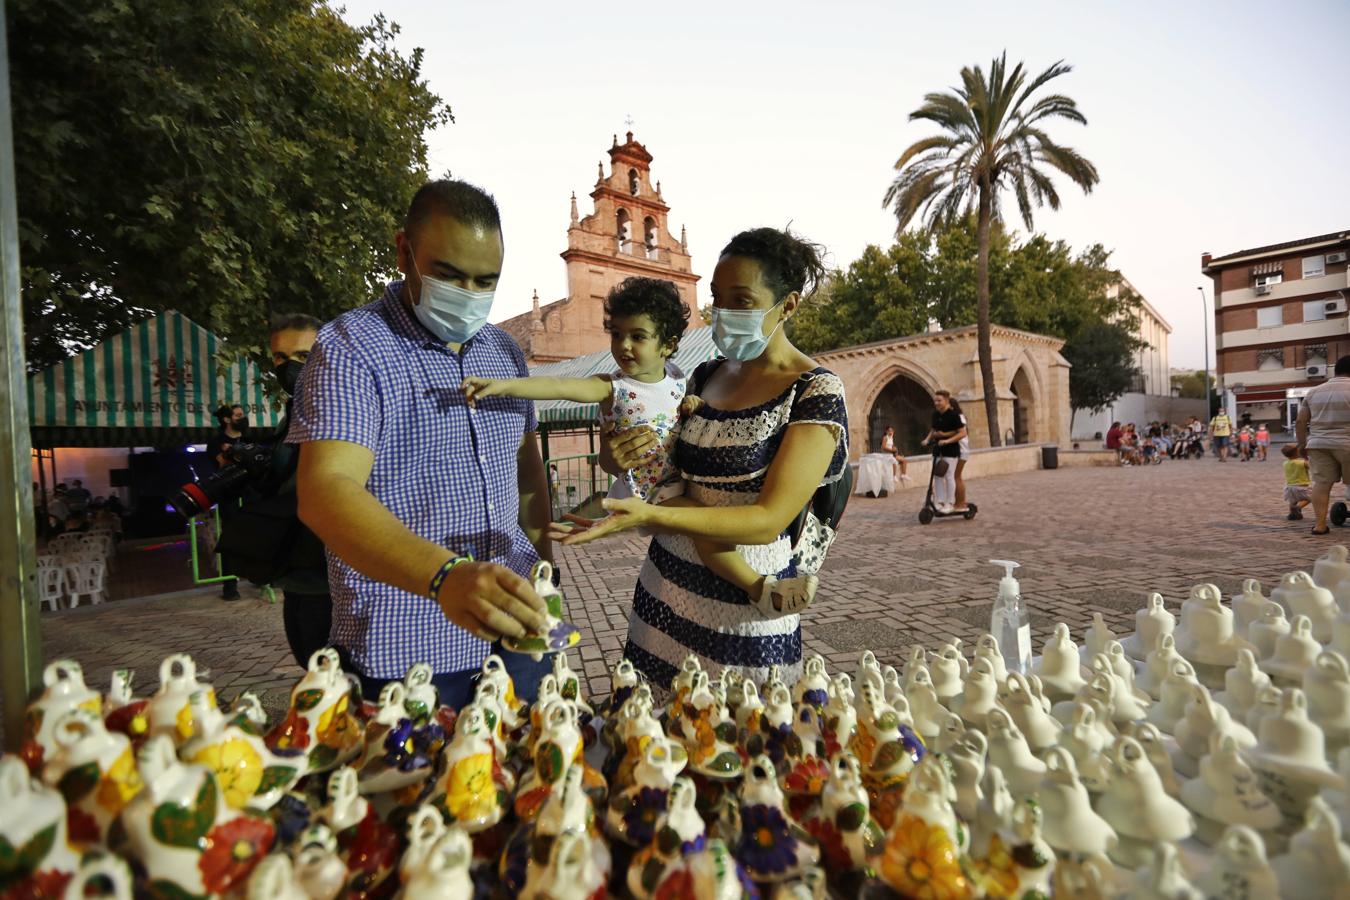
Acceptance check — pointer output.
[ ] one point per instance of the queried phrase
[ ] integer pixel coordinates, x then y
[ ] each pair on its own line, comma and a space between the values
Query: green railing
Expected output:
577, 483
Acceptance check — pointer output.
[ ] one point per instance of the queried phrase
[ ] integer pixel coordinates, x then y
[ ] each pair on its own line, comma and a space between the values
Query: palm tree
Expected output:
994, 140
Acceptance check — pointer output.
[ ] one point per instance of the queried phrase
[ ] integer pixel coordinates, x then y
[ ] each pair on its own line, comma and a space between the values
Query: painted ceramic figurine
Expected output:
679, 832
848, 835
633, 813
63, 690
557, 635
38, 860
924, 849
95, 771
472, 790
320, 725
772, 847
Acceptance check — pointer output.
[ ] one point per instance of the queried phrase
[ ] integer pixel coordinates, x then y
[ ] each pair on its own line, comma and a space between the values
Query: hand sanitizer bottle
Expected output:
1010, 622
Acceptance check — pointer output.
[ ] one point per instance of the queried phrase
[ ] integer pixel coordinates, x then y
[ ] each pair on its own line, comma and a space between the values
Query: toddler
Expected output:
1297, 484
645, 318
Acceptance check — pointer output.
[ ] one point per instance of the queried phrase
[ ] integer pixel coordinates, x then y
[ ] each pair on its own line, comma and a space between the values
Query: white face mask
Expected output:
739, 333
450, 312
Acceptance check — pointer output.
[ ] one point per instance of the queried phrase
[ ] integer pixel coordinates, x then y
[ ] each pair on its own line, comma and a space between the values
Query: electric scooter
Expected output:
929, 512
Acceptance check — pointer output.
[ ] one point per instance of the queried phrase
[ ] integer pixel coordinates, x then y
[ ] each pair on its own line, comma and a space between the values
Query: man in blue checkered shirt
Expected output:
403, 481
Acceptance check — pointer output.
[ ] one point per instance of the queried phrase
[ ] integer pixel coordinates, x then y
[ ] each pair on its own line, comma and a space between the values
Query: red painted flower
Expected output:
83, 828
232, 850
291, 734
40, 886
831, 844
32, 754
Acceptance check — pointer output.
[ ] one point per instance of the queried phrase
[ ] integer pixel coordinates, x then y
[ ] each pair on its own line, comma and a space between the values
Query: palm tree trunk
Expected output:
982, 334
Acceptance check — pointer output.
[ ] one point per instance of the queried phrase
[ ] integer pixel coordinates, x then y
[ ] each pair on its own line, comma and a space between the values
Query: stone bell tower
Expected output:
627, 234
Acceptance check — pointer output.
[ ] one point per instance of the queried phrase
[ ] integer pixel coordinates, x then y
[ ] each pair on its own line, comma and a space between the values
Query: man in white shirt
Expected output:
1323, 429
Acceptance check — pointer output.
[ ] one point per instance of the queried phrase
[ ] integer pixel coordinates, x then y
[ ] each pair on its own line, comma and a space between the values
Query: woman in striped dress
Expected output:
771, 428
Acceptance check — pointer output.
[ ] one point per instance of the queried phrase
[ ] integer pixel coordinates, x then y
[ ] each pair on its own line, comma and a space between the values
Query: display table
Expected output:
877, 472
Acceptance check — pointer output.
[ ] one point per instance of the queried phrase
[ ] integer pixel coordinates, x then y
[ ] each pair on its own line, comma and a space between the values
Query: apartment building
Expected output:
1280, 322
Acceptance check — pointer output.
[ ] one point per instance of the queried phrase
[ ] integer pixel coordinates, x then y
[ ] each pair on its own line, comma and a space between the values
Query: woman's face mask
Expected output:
739, 333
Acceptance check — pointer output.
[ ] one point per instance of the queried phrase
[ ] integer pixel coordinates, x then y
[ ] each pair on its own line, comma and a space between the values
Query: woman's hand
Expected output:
630, 447
630, 512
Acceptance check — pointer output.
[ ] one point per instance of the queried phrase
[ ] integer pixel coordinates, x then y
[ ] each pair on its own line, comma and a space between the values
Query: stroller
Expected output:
1189, 446
929, 512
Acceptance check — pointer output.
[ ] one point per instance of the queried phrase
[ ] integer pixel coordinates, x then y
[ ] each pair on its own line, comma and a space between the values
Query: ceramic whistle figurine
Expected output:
1206, 635
808, 763
1227, 793
1018, 862
367, 845
183, 833
1150, 624
1327, 686
250, 775
63, 690
124, 712
1138, 808
1317, 858
319, 724
633, 812
709, 874
567, 813
849, 837
1162, 878
1085, 743
1290, 756
318, 867
1247, 606
513, 708
1009, 751
1021, 702
472, 790
949, 669
814, 685
710, 733
923, 855
95, 771
557, 635
1203, 721
39, 861
1300, 596
1242, 684
772, 847
1059, 665
1071, 826
398, 754
980, 694
679, 832
840, 719
1099, 635
1269, 627
1240, 870
444, 871
1294, 653
170, 709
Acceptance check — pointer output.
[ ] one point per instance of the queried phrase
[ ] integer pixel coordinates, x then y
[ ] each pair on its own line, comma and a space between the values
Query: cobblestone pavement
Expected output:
1089, 540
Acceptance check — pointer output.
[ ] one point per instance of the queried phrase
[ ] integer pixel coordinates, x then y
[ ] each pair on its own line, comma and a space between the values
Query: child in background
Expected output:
1262, 441
1245, 443
1297, 484
645, 318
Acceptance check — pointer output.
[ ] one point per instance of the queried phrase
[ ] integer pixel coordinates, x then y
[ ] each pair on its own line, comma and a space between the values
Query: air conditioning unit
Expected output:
1262, 289
1317, 370
1335, 306
1338, 257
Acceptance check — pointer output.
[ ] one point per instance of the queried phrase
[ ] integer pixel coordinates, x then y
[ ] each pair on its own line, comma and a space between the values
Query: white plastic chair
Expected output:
85, 579
52, 585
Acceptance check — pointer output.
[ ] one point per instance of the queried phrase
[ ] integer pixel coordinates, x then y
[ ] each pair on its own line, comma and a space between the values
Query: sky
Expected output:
1214, 126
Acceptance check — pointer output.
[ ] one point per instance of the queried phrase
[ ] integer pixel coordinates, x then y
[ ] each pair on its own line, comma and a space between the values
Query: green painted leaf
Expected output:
549, 762
76, 784
37, 848
307, 700
851, 817
180, 827
274, 777
322, 756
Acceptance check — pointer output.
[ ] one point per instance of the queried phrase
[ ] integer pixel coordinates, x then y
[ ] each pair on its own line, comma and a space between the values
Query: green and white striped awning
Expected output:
695, 347
155, 384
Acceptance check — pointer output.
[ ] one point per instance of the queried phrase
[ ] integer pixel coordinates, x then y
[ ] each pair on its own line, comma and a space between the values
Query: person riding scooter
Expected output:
947, 432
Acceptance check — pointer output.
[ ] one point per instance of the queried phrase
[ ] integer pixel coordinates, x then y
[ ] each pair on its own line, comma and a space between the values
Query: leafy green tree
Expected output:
993, 140
1102, 356
1191, 385
223, 159
883, 294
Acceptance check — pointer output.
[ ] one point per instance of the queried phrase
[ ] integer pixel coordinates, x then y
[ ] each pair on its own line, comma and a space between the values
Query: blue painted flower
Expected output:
291, 816
767, 845
639, 820
816, 698
409, 748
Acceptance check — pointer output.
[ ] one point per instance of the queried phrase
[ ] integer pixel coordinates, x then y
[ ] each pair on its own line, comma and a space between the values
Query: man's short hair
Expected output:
1343, 366
457, 199
295, 322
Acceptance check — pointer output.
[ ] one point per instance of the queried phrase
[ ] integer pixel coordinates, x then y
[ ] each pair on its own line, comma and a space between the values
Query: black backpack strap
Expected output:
702, 372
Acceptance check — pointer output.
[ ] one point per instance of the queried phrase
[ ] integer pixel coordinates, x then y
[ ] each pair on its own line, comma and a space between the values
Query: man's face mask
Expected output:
450, 312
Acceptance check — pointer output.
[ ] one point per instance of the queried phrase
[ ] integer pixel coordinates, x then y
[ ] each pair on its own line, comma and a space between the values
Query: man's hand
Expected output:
475, 388
491, 602
630, 447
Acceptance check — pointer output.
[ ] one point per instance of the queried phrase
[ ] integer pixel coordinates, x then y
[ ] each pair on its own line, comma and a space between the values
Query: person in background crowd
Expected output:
1245, 438
433, 514
79, 498
1221, 432
1262, 441
307, 607
1323, 431
888, 446
1113, 438
58, 509
946, 434
1129, 446
233, 424
1297, 485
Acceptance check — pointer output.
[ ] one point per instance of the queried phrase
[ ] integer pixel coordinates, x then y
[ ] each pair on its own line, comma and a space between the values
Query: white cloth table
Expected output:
877, 472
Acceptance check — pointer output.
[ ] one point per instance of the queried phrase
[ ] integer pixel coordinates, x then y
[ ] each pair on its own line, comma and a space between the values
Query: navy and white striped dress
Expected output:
680, 606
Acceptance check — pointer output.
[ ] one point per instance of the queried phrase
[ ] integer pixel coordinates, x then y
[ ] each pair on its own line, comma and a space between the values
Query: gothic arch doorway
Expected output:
907, 406
1024, 408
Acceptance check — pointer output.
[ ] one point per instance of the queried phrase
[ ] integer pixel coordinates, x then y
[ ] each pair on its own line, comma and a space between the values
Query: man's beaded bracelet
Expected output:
444, 571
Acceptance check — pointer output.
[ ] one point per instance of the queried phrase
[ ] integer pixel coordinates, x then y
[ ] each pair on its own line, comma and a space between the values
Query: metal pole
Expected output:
21, 659
1209, 400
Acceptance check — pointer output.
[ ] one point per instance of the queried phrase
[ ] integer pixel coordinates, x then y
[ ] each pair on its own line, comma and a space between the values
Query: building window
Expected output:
1314, 266
649, 236
1270, 360
1270, 317
1314, 310
633, 184
1269, 279
624, 231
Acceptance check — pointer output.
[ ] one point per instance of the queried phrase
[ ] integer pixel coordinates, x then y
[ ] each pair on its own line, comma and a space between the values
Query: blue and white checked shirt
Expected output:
377, 378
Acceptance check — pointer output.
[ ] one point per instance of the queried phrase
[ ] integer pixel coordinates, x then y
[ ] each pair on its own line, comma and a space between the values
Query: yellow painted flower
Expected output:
185, 723
334, 728
920, 861
997, 872
471, 794
120, 783
94, 705
238, 769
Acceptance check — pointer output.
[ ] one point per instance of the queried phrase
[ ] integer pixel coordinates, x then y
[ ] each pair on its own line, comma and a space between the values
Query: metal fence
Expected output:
576, 482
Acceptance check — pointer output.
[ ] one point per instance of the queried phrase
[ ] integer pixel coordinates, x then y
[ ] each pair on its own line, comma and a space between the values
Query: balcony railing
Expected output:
576, 483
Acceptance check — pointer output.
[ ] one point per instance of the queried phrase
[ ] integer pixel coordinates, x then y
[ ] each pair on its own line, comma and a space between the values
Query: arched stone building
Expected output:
892, 383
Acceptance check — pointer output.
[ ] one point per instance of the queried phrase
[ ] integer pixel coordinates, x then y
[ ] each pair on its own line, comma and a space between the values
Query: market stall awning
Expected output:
695, 347
155, 384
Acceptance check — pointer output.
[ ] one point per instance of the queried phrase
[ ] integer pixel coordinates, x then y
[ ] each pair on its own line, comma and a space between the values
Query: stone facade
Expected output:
627, 234
892, 382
